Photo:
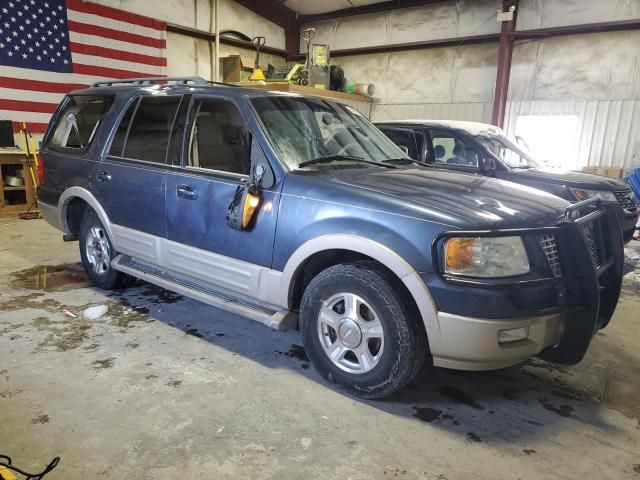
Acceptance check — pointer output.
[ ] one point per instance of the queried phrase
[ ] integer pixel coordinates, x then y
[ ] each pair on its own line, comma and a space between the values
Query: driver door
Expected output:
216, 159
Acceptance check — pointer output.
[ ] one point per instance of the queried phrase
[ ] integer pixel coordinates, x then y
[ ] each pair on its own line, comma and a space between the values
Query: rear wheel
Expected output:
97, 252
359, 332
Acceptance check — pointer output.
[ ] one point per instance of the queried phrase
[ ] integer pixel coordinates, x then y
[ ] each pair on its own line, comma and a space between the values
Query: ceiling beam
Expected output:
364, 9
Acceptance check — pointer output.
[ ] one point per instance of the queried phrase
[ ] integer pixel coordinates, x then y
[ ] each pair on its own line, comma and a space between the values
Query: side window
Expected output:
450, 149
79, 121
143, 133
121, 134
402, 138
219, 139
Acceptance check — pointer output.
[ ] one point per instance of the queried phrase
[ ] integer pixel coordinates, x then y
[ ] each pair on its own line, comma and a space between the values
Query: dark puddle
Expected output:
562, 410
529, 451
193, 332
427, 414
473, 437
457, 395
297, 352
51, 278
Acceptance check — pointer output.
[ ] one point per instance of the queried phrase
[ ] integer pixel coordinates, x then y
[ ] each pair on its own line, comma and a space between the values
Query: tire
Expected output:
378, 347
97, 252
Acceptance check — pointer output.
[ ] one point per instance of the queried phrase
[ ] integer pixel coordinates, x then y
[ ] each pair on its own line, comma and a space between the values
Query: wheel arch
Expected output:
360, 248
70, 197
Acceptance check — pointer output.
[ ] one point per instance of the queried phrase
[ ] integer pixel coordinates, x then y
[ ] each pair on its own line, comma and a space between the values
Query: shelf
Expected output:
13, 189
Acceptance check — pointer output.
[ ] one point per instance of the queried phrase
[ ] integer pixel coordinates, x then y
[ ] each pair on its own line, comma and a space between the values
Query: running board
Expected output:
270, 315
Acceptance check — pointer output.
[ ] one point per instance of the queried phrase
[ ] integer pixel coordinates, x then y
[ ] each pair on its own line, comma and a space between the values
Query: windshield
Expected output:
508, 152
303, 129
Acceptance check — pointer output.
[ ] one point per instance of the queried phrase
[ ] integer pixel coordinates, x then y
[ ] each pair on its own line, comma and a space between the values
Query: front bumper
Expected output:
562, 312
628, 222
468, 343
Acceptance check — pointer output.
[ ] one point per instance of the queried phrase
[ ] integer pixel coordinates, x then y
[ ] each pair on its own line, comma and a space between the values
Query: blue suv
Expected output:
297, 211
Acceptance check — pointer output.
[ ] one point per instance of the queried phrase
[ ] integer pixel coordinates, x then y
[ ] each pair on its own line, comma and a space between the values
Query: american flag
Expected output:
49, 47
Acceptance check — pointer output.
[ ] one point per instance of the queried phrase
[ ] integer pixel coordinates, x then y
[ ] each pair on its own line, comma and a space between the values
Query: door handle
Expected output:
103, 176
188, 192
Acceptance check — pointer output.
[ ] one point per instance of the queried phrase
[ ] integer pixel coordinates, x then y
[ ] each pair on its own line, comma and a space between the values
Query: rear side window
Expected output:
143, 133
452, 150
79, 121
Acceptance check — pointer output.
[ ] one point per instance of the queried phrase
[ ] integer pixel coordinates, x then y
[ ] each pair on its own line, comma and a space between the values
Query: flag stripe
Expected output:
38, 86
35, 117
44, 76
106, 72
33, 127
117, 54
19, 106
98, 21
114, 14
132, 67
85, 39
116, 34
30, 95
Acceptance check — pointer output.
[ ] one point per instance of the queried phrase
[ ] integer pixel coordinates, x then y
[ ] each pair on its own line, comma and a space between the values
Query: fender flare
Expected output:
379, 252
84, 194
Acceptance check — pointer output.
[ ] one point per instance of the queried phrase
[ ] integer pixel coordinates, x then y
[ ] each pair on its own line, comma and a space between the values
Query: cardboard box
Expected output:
236, 68
612, 172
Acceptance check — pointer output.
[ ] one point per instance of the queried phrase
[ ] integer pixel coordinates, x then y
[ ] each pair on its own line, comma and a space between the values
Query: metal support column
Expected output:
504, 63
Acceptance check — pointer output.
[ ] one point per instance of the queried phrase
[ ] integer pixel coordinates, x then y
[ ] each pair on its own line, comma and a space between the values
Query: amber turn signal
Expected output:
458, 254
251, 203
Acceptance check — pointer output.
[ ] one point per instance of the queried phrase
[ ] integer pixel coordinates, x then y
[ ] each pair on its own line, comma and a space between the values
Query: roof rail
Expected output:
151, 80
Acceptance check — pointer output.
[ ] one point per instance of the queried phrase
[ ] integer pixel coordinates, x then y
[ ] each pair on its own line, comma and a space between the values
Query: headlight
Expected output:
584, 194
486, 257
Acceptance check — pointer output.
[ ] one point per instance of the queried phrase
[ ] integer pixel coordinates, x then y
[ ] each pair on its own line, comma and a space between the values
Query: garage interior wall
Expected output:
190, 56
593, 76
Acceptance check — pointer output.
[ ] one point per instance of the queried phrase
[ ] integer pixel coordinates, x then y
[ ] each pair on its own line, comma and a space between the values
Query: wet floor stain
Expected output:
105, 363
40, 419
64, 335
296, 351
636, 468
51, 278
562, 410
529, 451
193, 332
473, 437
458, 396
428, 414
174, 383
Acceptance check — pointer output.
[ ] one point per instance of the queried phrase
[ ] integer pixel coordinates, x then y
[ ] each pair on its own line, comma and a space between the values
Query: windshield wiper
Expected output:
331, 158
407, 160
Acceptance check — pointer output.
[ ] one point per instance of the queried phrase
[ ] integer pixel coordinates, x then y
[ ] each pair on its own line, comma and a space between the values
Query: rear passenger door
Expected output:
217, 156
130, 180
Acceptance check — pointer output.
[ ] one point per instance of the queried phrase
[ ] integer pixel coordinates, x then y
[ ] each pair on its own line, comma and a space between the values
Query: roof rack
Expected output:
152, 80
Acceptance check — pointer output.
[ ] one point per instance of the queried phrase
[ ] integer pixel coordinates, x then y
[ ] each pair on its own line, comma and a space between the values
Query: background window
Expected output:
453, 151
79, 121
219, 140
149, 132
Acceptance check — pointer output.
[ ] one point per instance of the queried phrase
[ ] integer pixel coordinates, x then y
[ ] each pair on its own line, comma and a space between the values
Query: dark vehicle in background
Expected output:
294, 210
484, 149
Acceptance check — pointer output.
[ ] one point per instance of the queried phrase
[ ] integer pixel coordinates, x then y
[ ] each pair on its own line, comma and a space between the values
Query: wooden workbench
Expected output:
14, 200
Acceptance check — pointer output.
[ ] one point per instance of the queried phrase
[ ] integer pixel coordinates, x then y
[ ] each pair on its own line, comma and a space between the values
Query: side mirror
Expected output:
246, 201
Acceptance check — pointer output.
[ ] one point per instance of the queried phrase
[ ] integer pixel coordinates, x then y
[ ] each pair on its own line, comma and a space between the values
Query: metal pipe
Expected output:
216, 67
505, 53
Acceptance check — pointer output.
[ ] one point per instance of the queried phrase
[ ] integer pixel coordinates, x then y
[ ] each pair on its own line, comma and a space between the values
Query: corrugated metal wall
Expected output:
608, 130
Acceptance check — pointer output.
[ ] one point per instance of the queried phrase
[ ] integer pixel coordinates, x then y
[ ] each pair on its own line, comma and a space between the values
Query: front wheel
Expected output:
359, 332
97, 252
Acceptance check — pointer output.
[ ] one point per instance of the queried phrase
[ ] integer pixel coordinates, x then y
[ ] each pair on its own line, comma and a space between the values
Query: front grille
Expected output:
625, 199
592, 240
550, 249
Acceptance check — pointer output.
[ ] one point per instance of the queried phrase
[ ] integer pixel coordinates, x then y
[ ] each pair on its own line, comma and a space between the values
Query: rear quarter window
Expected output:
79, 121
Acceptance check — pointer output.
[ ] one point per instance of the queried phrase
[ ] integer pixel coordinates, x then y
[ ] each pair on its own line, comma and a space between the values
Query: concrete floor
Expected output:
164, 386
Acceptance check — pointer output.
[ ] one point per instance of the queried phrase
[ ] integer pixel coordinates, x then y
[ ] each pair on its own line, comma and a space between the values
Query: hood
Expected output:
569, 178
452, 198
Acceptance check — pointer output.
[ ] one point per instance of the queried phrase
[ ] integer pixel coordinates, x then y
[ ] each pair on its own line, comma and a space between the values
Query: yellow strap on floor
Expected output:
5, 474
